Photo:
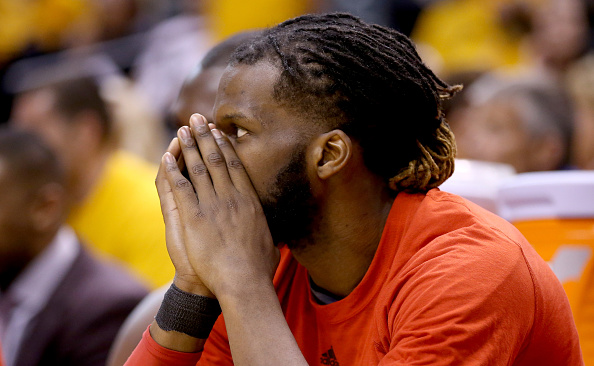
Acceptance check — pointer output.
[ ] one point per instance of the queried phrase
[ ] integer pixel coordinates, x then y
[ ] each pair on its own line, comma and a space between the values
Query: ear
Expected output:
48, 208
332, 152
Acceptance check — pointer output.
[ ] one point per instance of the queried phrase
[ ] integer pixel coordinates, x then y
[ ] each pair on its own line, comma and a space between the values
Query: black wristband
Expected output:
187, 313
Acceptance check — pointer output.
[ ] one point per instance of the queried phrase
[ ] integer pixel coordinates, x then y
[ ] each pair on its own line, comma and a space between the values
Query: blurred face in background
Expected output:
560, 31
508, 129
35, 111
494, 132
15, 222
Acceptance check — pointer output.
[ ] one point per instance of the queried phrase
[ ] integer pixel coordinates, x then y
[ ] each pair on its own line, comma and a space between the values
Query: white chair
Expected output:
478, 181
555, 212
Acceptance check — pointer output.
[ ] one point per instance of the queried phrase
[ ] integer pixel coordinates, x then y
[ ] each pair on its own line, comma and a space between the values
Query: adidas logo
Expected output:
329, 358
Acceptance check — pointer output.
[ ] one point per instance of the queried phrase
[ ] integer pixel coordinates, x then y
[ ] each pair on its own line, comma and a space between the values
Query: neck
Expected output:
346, 237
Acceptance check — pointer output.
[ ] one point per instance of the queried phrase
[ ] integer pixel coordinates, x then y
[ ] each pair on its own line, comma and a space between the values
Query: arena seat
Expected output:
478, 181
555, 212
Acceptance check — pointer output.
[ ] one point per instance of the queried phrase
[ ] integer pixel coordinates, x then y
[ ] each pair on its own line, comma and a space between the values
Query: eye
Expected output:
241, 132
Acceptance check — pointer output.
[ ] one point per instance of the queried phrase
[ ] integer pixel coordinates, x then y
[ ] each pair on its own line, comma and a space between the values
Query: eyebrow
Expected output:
234, 116
243, 117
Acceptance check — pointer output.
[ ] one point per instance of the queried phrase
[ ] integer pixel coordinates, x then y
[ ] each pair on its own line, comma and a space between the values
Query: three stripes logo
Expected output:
329, 358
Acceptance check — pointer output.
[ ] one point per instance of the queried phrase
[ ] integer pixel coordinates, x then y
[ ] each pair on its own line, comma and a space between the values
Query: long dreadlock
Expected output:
370, 82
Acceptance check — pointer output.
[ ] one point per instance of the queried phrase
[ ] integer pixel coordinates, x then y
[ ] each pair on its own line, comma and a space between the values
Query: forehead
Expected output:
248, 90
30, 104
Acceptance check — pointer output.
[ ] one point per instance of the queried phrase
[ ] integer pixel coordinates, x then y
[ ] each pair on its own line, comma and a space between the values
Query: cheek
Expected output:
261, 172
262, 163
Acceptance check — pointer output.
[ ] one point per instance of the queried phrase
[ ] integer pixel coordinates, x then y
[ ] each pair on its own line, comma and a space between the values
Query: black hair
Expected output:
369, 81
78, 95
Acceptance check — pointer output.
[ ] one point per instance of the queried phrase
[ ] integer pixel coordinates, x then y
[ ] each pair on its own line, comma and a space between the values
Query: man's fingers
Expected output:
179, 186
175, 149
168, 206
212, 156
169, 209
237, 171
197, 171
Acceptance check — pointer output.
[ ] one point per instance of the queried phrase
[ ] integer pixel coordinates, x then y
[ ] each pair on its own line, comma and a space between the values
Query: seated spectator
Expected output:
525, 123
581, 79
111, 193
58, 304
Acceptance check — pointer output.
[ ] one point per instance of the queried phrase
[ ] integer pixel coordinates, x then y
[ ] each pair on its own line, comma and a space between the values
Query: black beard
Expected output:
290, 207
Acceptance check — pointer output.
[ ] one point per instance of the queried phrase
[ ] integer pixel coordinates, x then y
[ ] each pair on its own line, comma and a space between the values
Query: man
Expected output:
330, 139
111, 193
58, 305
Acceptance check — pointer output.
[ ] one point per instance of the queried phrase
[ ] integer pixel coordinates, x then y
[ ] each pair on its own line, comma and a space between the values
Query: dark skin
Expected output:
237, 266
30, 216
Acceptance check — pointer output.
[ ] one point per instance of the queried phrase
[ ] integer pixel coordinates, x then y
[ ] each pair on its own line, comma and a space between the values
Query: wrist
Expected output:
238, 291
192, 286
187, 313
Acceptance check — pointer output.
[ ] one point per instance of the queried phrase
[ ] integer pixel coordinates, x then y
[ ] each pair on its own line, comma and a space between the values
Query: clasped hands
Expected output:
216, 232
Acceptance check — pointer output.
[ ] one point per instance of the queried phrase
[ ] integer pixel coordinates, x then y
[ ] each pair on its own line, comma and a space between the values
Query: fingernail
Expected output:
185, 133
169, 158
216, 133
198, 119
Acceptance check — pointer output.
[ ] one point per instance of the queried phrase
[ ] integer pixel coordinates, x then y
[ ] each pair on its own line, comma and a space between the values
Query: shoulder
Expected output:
86, 310
467, 277
102, 285
466, 244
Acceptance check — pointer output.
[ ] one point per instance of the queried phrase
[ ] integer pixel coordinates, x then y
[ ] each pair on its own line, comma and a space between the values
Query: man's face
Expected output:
271, 143
34, 111
15, 223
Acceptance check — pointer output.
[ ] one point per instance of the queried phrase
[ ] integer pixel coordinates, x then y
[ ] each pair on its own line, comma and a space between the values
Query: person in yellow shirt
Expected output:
114, 205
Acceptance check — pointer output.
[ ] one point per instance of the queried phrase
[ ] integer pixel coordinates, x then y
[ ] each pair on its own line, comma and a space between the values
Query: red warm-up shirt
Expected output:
450, 284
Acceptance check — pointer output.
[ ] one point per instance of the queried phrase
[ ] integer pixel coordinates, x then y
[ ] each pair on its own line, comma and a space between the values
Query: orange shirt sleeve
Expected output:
150, 353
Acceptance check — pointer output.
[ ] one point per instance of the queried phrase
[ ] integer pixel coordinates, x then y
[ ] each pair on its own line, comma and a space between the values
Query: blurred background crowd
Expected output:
141, 51
97, 83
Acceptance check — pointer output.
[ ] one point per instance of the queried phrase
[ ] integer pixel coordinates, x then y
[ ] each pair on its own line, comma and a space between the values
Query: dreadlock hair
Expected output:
368, 81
